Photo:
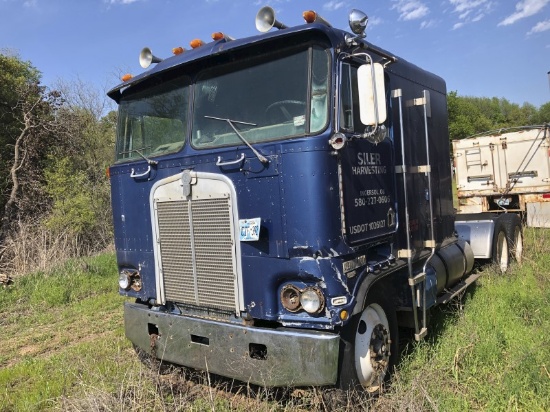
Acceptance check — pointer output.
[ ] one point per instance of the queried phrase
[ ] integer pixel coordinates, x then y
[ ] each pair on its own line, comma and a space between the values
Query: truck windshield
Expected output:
270, 100
153, 122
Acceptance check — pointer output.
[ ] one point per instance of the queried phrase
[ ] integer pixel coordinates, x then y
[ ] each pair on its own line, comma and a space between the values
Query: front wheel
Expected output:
372, 347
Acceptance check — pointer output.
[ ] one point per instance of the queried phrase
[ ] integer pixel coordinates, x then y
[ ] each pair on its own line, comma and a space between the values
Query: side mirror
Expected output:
372, 94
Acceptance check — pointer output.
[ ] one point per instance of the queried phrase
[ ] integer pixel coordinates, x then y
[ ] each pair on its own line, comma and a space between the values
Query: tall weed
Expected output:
34, 247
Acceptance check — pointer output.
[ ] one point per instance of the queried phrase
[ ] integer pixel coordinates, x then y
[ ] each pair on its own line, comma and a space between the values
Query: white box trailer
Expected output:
505, 171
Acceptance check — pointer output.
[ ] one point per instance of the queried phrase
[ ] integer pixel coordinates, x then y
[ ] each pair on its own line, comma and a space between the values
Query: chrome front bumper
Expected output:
262, 356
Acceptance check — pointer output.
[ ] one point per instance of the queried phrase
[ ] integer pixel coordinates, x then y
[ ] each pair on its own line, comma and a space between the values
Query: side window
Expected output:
319, 89
349, 100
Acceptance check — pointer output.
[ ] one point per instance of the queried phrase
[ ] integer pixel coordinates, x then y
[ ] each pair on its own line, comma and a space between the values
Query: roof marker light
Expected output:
177, 50
126, 77
219, 35
196, 43
311, 16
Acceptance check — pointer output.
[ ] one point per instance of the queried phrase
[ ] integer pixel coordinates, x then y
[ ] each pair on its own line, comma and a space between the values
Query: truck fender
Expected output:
368, 283
479, 234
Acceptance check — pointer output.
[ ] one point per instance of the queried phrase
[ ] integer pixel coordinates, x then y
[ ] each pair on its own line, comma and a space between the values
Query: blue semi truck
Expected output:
282, 203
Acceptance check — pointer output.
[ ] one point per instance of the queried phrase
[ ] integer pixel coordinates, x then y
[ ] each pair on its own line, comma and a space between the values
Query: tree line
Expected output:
472, 115
56, 144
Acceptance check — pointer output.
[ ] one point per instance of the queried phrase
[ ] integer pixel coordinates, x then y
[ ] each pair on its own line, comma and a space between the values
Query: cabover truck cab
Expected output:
506, 170
282, 202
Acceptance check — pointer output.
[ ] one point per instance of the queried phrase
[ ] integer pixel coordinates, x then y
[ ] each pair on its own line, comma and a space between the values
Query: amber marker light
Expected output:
196, 43
108, 172
309, 16
177, 50
217, 35
344, 315
126, 77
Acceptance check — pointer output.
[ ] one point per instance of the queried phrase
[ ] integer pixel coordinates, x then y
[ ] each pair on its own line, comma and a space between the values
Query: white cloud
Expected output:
374, 21
478, 17
461, 6
410, 9
470, 11
333, 5
426, 24
540, 27
524, 8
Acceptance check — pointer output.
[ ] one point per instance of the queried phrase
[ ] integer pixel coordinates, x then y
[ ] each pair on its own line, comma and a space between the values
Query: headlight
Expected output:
290, 298
124, 280
129, 279
312, 300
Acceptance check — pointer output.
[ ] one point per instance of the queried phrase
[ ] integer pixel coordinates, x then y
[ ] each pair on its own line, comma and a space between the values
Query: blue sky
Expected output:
487, 48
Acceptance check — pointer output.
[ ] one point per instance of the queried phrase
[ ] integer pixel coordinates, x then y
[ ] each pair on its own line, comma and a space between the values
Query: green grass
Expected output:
57, 327
491, 352
63, 348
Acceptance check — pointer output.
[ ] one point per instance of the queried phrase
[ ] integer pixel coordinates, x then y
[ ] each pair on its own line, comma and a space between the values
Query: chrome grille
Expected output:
196, 249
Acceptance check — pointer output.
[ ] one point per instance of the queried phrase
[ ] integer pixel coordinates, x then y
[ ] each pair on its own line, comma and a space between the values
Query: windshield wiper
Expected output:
231, 123
149, 161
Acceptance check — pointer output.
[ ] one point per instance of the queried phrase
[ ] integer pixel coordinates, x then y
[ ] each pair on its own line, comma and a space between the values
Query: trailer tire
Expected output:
371, 347
514, 235
501, 254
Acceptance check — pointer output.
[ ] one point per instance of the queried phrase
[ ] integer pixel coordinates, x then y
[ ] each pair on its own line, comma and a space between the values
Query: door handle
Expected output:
231, 162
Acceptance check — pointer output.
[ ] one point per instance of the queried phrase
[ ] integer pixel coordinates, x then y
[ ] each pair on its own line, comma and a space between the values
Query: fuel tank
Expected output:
451, 263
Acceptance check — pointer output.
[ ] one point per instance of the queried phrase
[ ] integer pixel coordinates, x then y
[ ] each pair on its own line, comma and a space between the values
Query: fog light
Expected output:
124, 280
312, 300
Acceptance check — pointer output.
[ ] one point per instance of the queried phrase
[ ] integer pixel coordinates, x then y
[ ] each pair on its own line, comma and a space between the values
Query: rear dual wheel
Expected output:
507, 240
513, 228
501, 255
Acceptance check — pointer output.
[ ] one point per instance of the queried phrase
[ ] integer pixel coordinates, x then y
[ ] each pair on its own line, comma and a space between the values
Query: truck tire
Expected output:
501, 254
512, 226
371, 350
